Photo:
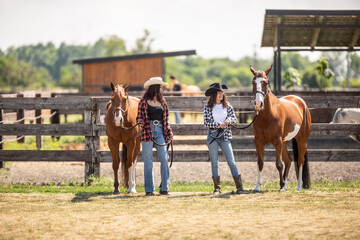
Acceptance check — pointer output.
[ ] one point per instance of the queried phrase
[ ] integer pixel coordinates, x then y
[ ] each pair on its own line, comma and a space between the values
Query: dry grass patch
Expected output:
268, 215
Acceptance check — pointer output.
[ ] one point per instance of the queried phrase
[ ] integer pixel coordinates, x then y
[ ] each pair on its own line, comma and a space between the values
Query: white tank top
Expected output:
219, 113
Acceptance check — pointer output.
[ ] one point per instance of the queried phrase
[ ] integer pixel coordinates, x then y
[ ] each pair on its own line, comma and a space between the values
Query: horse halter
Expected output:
260, 91
126, 103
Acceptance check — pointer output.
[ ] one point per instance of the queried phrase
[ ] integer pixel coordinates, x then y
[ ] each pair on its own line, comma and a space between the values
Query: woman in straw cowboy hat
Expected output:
218, 115
153, 116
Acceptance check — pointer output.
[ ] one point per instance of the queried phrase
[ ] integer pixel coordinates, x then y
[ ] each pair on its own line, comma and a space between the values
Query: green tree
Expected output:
291, 77
324, 70
355, 65
143, 44
353, 83
114, 46
70, 78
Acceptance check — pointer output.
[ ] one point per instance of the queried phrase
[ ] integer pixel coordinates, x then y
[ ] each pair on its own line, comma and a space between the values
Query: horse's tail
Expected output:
124, 171
305, 171
296, 156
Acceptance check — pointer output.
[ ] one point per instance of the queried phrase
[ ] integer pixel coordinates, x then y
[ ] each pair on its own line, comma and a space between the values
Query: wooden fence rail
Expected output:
91, 107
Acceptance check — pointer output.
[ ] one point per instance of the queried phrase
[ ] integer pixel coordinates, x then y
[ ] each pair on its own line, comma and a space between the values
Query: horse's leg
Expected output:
279, 165
114, 149
287, 160
131, 158
304, 173
260, 149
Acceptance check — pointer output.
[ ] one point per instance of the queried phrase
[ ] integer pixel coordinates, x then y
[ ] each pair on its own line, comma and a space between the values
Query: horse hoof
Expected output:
256, 190
116, 192
131, 191
282, 190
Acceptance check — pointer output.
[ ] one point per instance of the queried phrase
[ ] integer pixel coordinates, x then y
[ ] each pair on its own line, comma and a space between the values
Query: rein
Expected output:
225, 129
168, 144
257, 113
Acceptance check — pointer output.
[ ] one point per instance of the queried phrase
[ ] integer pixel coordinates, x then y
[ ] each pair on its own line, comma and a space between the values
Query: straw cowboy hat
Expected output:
154, 81
214, 88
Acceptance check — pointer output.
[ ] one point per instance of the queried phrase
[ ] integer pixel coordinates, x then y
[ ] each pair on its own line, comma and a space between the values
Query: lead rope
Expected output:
257, 113
225, 129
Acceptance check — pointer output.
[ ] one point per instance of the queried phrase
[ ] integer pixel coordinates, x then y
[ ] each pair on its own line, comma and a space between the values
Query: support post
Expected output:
55, 119
2, 164
275, 71
38, 121
20, 115
278, 78
92, 117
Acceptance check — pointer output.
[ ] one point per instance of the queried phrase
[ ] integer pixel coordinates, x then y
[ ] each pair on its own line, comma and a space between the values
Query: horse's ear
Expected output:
253, 70
112, 86
127, 87
268, 70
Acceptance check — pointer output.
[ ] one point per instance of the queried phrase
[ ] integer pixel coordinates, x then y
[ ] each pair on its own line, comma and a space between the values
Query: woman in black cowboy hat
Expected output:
218, 115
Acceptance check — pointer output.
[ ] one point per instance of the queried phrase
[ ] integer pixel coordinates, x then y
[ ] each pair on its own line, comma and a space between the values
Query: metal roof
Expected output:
135, 56
312, 28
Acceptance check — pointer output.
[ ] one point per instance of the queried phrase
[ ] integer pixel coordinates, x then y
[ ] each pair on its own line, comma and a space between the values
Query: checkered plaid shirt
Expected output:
143, 119
210, 123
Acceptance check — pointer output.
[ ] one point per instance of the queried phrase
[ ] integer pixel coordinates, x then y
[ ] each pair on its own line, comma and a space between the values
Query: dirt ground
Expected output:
46, 172
65, 172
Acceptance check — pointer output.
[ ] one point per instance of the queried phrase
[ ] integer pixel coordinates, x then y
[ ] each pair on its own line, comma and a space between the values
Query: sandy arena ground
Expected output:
45, 172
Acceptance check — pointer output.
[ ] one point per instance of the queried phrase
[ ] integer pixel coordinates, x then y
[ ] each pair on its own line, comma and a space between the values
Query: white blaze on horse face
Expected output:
117, 118
259, 99
292, 134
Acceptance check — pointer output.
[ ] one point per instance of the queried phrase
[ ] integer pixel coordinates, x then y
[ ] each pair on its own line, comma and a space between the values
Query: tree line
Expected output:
45, 66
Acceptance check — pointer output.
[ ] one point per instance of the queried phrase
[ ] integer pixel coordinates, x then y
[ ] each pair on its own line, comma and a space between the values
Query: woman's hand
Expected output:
227, 122
222, 125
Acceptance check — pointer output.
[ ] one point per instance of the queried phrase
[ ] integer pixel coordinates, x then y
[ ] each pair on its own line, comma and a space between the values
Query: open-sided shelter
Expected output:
309, 30
97, 73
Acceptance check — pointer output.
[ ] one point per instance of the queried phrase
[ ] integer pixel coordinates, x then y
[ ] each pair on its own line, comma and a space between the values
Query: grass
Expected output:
105, 186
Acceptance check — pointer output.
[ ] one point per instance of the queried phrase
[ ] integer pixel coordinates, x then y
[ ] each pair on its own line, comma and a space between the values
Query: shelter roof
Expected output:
135, 56
312, 28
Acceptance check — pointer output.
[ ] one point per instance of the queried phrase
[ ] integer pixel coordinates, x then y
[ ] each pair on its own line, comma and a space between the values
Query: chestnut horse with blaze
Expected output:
120, 117
278, 121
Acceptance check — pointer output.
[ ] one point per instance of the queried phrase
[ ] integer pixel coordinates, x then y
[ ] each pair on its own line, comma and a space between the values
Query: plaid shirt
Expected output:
143, 119
210, 123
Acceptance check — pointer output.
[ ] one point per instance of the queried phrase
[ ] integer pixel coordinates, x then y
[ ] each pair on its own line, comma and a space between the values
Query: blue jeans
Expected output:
227, 151
147, 154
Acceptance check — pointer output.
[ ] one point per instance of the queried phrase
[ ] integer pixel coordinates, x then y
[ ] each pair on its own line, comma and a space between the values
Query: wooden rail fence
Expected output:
92, 130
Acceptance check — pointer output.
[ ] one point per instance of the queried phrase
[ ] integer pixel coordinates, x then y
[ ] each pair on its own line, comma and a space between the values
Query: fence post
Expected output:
92, 117
20, 115
38, 121
2, 164
55, 119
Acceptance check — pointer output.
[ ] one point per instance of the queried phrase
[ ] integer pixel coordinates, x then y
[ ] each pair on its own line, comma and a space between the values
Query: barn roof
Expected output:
135, 56
312, 28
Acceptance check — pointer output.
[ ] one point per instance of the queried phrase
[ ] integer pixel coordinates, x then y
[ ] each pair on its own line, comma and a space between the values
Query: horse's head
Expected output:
119, 102
260, 86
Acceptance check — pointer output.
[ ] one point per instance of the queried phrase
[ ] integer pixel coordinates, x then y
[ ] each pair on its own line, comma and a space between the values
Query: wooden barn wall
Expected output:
135, 71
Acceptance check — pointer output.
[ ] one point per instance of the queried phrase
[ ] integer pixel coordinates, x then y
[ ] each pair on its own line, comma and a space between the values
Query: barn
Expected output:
97, 73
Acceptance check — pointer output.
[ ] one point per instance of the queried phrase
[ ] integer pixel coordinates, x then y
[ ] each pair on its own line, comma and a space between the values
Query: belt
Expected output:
155, 122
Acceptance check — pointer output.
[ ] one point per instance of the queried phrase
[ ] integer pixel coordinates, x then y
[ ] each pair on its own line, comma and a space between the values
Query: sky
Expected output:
214, 28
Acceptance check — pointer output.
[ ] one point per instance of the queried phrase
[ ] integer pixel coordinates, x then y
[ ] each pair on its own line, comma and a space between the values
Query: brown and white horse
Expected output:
121, 114
280, 120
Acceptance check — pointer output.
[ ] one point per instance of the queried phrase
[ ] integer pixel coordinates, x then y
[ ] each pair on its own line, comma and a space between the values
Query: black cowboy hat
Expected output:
214, 88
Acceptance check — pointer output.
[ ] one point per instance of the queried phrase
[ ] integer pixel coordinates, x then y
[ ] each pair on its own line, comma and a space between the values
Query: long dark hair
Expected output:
212, 100
152, 91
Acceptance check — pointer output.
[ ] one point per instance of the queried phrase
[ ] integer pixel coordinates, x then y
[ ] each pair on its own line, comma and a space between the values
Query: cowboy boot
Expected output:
217, 186
238, 184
